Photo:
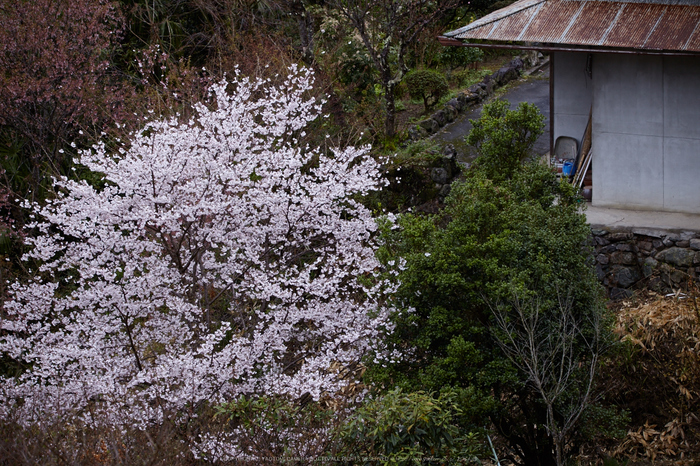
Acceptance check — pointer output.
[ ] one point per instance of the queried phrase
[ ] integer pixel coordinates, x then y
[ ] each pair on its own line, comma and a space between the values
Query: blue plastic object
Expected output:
567, 169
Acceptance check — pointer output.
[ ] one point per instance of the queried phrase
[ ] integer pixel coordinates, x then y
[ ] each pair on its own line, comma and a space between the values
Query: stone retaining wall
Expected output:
644, 258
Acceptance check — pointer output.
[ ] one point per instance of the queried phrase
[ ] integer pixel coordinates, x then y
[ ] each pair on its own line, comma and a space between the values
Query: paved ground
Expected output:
533, 89
634, 220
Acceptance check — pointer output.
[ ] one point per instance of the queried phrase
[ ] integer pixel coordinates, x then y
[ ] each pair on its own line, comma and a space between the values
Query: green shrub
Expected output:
355, 68
503, 138
409, 428
428, 85
457, 57
269, 427
522, 237
465, 78
506, 259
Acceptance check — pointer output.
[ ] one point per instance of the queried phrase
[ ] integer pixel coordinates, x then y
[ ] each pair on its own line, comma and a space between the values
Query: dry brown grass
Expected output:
657, 377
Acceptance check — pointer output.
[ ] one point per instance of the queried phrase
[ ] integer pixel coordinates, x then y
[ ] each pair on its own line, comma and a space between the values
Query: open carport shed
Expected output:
634, 66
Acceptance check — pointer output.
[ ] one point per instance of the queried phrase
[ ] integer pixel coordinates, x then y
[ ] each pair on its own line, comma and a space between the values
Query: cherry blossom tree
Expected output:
218, 258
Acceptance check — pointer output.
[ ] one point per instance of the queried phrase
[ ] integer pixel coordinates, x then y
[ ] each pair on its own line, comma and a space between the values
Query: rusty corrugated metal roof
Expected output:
645, 25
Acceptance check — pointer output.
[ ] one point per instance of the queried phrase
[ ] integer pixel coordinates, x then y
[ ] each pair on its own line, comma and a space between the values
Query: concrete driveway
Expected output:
533, 89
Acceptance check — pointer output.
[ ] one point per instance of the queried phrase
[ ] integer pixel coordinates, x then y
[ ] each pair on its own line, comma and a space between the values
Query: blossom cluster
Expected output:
218, 257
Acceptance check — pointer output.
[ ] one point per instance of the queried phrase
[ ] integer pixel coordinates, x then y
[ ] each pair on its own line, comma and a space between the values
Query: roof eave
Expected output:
624, 26
449, 41
497, 15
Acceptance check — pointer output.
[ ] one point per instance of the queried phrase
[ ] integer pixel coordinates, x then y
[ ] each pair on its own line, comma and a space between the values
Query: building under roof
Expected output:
633, 68
659, 26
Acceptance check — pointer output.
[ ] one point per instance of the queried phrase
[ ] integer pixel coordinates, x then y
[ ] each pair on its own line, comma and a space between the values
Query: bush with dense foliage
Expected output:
427, 85
460, 57
506, 259
276, 430
410, 428
503, 138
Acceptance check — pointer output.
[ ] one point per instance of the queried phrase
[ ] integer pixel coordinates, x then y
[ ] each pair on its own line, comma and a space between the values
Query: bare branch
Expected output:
558, 356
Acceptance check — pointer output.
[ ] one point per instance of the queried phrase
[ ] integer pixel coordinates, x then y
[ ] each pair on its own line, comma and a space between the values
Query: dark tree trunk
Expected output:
306, 35
390, 103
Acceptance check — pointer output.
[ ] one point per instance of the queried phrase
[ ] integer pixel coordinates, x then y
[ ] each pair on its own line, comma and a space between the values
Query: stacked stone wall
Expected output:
659, 260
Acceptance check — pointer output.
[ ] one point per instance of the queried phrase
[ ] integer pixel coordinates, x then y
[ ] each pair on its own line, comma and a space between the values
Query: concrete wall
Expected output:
681, 152
646, 127
572, 94
628, 131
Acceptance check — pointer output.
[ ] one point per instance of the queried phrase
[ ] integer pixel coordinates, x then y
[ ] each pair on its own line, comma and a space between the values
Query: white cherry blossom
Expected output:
218, 259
